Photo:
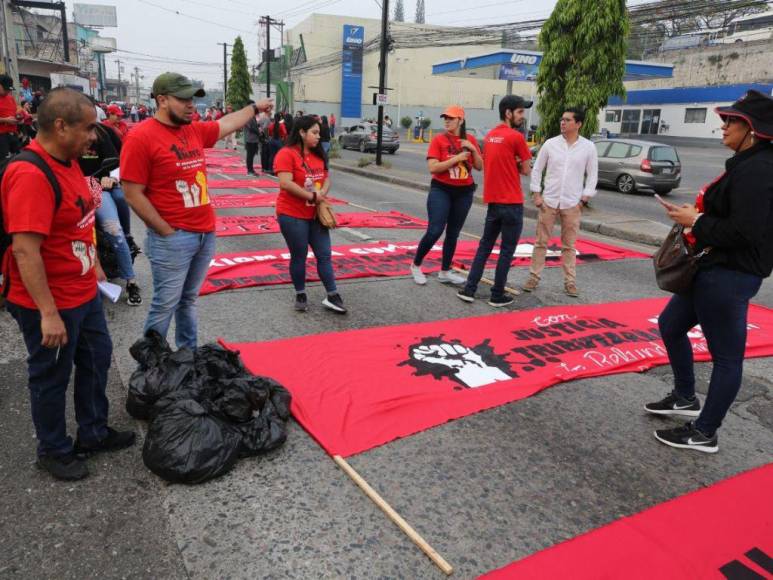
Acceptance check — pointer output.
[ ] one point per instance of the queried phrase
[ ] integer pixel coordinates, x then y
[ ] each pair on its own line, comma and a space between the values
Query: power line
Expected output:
210, 22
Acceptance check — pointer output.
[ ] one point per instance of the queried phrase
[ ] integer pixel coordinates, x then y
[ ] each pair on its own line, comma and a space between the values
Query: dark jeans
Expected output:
719, 302
299, 235
274, 145
264, 155
89, 348
252, 150
505, 219
445, 211
9, 145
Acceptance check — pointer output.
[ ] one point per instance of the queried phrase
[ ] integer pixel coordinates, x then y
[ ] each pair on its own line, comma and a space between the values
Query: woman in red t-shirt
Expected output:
304, 182
451, 157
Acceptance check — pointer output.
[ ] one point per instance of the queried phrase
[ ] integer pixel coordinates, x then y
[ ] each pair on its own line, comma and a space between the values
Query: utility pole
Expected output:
120, 87
382, 70
137, 83
8, 46
267, 55
225, 70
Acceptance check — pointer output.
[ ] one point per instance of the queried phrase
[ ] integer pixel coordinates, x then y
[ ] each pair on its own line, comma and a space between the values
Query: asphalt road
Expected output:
483, 490
700, 164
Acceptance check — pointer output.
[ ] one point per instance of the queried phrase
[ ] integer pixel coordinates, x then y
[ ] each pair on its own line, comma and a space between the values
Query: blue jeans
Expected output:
299, 235
505, 219
326, 147
445, 211
719, 302
109, 222
89, 349
124, 213
179, 263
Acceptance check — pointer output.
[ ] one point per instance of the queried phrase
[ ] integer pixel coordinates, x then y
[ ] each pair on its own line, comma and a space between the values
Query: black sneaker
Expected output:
334, 303
134, 249
114, 441
500, 301
674, 406
65, 467
301, 302
688, 437
133, 296
466, 295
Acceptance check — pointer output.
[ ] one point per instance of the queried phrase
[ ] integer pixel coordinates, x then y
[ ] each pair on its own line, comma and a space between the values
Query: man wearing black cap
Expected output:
506, 158
164, 175
8, 120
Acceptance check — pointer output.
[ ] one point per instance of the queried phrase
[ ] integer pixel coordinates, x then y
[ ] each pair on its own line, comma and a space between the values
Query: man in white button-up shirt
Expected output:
570, 166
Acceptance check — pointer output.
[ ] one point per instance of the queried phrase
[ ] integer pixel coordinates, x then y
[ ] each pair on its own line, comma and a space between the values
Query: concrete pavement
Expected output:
483, 490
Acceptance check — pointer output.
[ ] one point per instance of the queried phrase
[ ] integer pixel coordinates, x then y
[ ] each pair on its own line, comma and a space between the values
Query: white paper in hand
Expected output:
111, 291
116, 174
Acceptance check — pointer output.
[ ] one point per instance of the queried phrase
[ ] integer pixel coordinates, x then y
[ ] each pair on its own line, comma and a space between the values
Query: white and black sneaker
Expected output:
688, 437
133, 296
301, 302
500, 301
675, 406
335, 303
466, 295
418, 275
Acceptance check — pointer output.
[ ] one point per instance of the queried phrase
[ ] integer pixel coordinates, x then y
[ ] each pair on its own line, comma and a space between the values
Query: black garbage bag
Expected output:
150, 350
187, 444
263, 433
215, 361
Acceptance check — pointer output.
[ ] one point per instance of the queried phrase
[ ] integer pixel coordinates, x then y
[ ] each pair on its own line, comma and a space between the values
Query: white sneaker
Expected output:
450, 277
418, 275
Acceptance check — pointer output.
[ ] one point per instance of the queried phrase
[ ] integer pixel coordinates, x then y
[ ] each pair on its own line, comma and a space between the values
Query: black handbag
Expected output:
676, 262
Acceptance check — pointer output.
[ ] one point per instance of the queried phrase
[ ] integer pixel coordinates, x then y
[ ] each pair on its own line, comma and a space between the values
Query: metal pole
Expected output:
65, 33
268, 56
118, 62
225, 72
382, 70
137, 83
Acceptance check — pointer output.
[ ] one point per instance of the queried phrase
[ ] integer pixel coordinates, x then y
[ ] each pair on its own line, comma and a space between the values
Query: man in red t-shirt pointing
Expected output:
51, 281
164, 178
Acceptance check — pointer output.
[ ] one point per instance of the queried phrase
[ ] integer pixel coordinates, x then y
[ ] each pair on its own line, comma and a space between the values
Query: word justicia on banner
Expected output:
421, 375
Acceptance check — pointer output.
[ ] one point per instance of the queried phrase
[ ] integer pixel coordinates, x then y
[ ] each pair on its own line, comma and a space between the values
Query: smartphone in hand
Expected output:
663, 202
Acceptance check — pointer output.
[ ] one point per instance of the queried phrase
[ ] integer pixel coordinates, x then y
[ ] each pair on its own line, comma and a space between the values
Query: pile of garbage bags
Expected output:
205, 409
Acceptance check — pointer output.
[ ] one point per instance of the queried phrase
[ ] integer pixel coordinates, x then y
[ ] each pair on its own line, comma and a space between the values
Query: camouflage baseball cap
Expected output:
177, 85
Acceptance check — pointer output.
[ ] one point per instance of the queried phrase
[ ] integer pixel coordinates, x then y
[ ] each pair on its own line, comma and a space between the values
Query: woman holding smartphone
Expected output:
304, 182
451, 157
732, 220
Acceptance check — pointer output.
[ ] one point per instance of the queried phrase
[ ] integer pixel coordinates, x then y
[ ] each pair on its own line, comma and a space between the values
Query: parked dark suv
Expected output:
631, 165
363, 138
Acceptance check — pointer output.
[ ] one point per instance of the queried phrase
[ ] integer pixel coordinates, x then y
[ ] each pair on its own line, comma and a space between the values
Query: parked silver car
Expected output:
631, 165
363, 138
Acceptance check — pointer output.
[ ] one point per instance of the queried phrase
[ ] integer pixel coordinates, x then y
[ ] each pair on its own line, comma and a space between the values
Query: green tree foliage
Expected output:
399, 12
420, 19
239, 89
584, 45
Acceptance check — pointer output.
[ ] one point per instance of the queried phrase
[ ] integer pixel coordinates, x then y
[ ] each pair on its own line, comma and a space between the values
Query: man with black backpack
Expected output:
50, 281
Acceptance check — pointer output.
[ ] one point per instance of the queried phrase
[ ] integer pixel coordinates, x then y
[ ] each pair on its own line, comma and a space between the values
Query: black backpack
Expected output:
27, 156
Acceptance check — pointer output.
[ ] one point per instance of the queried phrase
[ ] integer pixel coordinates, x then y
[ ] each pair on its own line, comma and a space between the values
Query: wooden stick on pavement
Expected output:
436, 558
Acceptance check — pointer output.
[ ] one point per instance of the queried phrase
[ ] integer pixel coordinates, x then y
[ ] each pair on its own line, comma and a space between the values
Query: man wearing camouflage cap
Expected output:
164, 177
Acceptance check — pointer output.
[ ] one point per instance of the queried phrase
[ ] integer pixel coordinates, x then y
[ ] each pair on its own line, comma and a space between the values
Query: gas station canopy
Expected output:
521, 65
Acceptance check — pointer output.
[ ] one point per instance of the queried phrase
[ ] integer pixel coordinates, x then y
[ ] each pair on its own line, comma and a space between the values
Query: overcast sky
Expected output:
189, 30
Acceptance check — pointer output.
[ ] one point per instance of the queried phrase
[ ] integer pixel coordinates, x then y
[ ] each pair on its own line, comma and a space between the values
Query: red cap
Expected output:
454, 111
115, 110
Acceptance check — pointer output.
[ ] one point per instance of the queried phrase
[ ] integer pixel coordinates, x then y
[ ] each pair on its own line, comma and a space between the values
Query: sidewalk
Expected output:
624, 227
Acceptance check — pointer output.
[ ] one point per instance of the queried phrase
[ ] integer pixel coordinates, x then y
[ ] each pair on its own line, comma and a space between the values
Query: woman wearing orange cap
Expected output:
451, 157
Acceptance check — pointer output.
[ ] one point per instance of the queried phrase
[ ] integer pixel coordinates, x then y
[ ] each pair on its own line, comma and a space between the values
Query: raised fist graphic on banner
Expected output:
471, 367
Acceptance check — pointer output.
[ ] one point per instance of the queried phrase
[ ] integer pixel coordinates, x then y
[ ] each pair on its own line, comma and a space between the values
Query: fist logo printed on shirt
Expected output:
459, 172
471, 367
86, 253
184, 189
201, 181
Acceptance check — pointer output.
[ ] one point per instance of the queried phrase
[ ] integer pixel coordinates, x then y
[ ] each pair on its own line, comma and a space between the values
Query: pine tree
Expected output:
399, 11
239, 89
584, 46
419, 12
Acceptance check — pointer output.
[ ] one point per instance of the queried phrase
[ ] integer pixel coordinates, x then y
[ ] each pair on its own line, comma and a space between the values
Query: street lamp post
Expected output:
401, 62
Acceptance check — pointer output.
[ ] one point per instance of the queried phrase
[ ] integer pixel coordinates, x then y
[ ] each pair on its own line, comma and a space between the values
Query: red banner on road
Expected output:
248, 225
254, 200
268, 267
659, 542
242, 183
356, 390
230, 170
218, 162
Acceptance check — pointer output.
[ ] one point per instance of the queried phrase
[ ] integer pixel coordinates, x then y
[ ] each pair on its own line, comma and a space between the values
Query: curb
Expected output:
622, 227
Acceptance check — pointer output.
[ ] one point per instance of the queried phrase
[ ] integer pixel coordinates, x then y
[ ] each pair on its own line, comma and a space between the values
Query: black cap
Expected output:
756, 109
6, 82
510, 102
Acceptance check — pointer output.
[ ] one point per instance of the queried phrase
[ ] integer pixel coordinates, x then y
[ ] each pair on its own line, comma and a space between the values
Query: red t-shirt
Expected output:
289, 160
7, 109
442, 148
169, 162
501, 179
121, 129
282, 131
68, 249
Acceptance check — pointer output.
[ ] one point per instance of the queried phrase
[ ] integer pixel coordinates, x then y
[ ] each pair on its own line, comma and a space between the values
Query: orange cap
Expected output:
454, 111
